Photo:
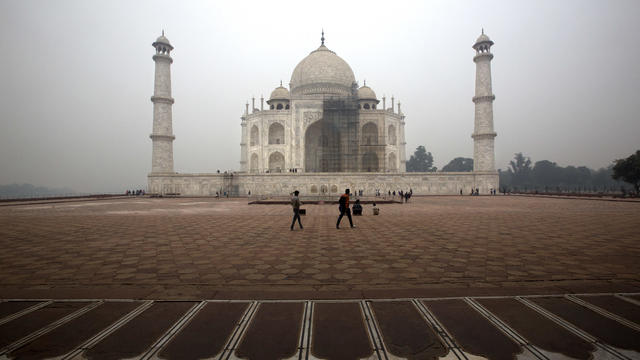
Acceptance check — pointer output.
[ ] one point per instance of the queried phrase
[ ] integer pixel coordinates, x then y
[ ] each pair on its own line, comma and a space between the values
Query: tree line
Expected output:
547, 176
623, 175
422, 161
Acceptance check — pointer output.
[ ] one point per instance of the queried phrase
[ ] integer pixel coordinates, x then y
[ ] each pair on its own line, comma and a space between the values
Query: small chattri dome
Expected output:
163, 39
483, 38
280, 93
366, 93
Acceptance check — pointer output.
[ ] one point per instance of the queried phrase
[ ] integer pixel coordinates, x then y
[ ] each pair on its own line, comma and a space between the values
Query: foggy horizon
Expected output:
78, 76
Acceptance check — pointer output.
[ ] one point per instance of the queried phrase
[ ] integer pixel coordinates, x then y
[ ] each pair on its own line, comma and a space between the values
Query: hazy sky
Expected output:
76, 78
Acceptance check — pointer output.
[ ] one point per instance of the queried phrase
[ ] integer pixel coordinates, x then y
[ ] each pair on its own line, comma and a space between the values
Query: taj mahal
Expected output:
322, 134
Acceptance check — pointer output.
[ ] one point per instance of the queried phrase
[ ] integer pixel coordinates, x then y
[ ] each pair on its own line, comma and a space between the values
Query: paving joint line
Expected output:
307, 328
603, 312
373, 330
572, 328
172, 331
627, 299
36, 334
238, 334
442, 332
25, 311
506, 329
110, 329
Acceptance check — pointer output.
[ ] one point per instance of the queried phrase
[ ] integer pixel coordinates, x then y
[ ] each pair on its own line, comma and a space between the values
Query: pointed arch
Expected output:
370, 162
322, 148
253, 165
276, 134
391, 135
370, 134
276, 162
255, 136
392, 163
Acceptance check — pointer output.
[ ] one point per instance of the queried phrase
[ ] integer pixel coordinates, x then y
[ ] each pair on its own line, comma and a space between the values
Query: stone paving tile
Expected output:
168, 247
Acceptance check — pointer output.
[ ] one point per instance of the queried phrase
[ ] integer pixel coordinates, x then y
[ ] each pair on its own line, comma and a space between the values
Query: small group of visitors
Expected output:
343, 207
220, 194
134, 192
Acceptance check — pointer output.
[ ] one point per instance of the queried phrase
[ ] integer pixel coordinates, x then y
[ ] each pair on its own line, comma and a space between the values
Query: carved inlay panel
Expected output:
310, 117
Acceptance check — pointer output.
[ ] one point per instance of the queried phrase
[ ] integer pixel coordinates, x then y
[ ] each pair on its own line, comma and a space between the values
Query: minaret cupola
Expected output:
483, 44
162, 45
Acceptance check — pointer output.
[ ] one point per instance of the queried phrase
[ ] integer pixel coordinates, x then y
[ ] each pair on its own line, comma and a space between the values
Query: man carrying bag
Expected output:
344, 208
295, 204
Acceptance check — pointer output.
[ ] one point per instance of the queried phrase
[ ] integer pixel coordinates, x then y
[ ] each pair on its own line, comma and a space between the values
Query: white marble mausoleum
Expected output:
322, 134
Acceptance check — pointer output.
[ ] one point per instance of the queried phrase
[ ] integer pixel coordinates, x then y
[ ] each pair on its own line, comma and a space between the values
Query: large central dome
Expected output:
322, 72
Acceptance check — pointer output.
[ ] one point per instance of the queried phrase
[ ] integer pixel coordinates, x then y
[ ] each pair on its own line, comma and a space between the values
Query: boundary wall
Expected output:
310, 184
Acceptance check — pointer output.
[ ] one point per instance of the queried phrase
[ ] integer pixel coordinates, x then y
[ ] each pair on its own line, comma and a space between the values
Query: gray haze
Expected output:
76, 78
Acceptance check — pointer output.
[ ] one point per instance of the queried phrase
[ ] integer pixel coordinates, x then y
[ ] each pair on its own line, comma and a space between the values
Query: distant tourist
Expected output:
295, 204
460, 191
376, 210
357, 208
344, 208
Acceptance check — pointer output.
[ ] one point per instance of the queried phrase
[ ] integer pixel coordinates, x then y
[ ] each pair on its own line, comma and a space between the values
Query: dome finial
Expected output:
482, 31
322, 38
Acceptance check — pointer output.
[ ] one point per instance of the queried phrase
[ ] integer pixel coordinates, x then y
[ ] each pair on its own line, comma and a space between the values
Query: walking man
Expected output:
344, 208
295, 204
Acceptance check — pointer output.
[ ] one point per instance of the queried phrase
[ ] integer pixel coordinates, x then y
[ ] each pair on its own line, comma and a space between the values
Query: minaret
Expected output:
162, 135
483, 134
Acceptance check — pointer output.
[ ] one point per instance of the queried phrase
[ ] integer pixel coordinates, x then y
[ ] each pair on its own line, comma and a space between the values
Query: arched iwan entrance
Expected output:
322, 148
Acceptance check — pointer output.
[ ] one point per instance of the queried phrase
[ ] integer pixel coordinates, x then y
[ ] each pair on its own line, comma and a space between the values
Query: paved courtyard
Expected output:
205, 248
463, 278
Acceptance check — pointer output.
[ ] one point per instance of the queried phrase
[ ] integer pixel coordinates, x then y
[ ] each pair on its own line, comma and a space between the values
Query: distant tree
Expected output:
505, 179
548, 176
520, 169
628, 170
571, 176
459, 164
421, 161
602, 180
546, 173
